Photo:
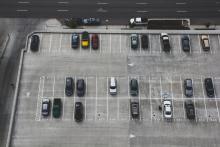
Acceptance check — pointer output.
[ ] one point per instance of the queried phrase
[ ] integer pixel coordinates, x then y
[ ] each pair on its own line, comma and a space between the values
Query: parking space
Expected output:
214, 43
155, 44
195, 44
175, 44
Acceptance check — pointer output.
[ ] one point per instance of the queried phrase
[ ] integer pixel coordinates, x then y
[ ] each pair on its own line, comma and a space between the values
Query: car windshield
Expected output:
185, 42
168, 112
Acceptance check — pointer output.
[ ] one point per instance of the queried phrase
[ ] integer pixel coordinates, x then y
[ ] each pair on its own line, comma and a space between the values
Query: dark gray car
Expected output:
188, 87
134, 87
69, 86
134, 41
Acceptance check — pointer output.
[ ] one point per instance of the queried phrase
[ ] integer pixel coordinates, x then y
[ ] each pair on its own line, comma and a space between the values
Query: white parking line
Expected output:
139, 97
182, 11
211, 50
160, 45
180, 44
107, 97
206, 113
90, 43
149, 36
216, 103
129, 108
110, 43
61, 37
37, 117
22, 10
218, 40
96, 87
70, 42
171, 88
23, 2
63, 2
85, 99
181, 3
139, 38
64, 97
199, 44
50, 42
100, 43
190, 51
120, 43
194, 103
150, 97
40, 45
181, 84
54, 78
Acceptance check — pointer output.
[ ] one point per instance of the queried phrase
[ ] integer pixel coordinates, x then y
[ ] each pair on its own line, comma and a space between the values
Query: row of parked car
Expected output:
165, 42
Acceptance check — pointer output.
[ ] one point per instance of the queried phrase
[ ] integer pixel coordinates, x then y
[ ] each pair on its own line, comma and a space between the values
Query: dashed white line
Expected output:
23, 2
22, 10
50, 42
142, 3
150, 97
181, 3
182, 11
102, 3
63, 2
96, 91
107, 97
38, 99
61, 37
142, 11
62, 10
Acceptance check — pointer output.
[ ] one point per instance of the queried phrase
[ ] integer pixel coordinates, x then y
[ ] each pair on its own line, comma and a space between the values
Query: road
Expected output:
110, 9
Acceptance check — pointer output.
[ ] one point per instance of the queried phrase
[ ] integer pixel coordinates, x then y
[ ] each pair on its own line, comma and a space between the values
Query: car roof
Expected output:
113, 81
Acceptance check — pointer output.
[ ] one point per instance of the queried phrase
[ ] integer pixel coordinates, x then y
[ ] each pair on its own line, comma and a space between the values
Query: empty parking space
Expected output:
175, 44
195, 44
214, 43
200, 109
66, 43
105, 43
155, 43
212, 110
178, 110
115, 43
177, 87
45, 42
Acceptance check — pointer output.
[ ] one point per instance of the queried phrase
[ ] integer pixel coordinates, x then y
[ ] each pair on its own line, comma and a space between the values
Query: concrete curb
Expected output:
5, 46
14, 105
117, 31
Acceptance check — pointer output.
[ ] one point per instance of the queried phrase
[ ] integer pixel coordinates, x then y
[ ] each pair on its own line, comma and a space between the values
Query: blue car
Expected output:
75, 41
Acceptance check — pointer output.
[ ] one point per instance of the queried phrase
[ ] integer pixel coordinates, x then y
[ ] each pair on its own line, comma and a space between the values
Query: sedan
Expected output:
135, 109
89, 21
134, 87
95, 41
45, 107
35, 40
167, 109
75, 41
209, 87
134, 41
80, 87
185, 43
69, 86
188, 87
78, 113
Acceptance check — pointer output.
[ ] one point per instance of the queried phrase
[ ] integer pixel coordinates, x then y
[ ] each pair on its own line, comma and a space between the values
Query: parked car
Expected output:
80, 87
188, 87
75, 41
165, 42
95, 41
89, 21
57, 107
144, 41
79, 112
85, 40
185, 43
45, 107
138, 21
35, 41
190, 109
167, 109
205, 42
135, 110
134, 41
209, 87
69, 88
113, 86
134, 87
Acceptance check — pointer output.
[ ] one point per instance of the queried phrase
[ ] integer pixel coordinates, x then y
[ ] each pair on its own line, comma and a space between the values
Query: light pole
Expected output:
106, 21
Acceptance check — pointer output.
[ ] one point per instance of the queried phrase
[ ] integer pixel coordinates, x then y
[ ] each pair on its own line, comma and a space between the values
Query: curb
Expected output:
5, 46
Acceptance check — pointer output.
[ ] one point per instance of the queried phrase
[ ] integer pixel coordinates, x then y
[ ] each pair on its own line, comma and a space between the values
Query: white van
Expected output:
113, 86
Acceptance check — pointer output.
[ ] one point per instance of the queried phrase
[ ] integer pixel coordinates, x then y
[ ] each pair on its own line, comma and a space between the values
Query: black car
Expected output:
134, 41
144, 41
185, 43
190, 109
80, 87
209, 87
135, 110
188, 87
134, 87
78, 113
89, 21
35, 40
57, 107
165, 42
45, 107
69, 86
75, 41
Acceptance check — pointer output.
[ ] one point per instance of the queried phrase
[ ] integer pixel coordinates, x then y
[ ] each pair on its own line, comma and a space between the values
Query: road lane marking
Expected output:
23, 2
181, 3
171, 88
142, 3
199, 41
54, 78
129, 101
63, 2
139, 97
110, 45
100, 43
62, 10
142, 11
101, 10
182, 11
102, 3
120, 43
64, 97
85, 99
22, 10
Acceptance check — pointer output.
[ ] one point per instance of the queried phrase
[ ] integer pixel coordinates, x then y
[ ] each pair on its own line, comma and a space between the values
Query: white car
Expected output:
167, 109
113, 86
138, 21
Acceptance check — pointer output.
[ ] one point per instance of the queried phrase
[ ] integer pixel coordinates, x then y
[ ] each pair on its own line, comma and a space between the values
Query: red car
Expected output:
95, 41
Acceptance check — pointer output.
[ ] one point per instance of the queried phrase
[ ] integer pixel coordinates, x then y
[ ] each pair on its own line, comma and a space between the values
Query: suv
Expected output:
144, 41
45, 107
95, 41
134, 41
205, 42
135, 109
188, 87
69, 86
138, 21
35, 40
57, 106
209, 87
190, 109
78, 113
185, 43
134, 87
165, 42
75, 41
167, 109
113, 86
85, 39
80, 87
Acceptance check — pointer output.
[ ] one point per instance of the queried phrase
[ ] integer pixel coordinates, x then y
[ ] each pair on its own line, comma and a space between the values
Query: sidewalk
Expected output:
3, 44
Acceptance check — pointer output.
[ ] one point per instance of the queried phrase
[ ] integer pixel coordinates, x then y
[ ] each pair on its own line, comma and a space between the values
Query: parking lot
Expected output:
107, 120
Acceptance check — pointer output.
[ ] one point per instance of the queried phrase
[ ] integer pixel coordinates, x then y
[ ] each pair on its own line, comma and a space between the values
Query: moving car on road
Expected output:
75, 40
190, 109
69, 88
205, 42
95, 41
144, 41
85, 40
188, 87
165, 42
138, 21
79, 112
57, 107
185, 43
134, 87
209, 87
35, 41
113, 86
135, 110
134, 41
80, 87
45, 107
89, 21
